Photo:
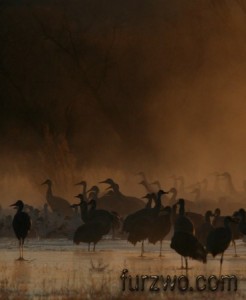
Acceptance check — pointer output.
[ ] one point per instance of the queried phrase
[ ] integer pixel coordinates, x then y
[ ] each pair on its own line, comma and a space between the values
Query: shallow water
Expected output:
57, 269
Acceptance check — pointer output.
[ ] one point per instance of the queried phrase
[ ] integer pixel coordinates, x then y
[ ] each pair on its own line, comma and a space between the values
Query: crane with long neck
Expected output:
119, 202
57, 204
138, 225
84, 186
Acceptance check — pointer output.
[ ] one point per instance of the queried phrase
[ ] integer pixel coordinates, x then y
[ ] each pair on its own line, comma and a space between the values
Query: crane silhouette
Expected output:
219, 240
84, 185
21, 225
57, 204
181, 222
138, 224
160, 227
187, 245
119, 202
203, 231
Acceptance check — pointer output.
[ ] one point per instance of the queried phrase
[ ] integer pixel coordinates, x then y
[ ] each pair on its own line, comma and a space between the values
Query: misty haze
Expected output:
118, 100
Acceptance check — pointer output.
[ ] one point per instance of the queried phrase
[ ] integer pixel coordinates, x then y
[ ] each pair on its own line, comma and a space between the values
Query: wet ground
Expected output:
57, 269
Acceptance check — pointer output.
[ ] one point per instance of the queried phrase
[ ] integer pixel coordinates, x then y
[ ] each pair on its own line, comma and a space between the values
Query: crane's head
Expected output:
80, 196
217, 212
225, 175
142, 182
94, 189
18, 204
161, 192
48, 182
83, 182
108, 181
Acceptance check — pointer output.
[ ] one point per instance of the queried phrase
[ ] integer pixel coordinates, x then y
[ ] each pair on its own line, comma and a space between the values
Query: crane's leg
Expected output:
182, 264
160, 248
142, 248
20, 249
235, 248
221, 261
94, 247
89, 245
22, 242
186, 266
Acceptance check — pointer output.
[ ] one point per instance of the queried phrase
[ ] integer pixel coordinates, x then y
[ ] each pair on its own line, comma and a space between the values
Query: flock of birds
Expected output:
193, 234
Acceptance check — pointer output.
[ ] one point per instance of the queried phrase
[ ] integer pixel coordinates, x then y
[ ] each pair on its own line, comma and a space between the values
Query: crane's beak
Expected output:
77, 196
164, 193
45, 182
104, 181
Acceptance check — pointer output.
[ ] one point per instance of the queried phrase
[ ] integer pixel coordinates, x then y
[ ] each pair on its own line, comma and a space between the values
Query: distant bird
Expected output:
57, 204
117, 201
203, 231
160, 227
21, 225
219, 240
145, 183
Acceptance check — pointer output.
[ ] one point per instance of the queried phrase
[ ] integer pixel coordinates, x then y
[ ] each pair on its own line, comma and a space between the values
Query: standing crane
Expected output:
57, 204
21, 225
219, 240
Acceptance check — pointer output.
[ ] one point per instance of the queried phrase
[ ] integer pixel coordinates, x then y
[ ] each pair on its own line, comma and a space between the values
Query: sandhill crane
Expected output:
88, 233
160, 227
145, 183
108, 220
116, 201
21, 225
203, 231
182, 222
187, 245
130, 219
219, 240
84, 191
57, 204
138, 224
